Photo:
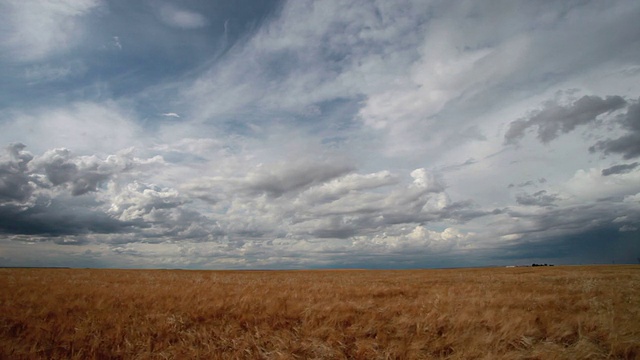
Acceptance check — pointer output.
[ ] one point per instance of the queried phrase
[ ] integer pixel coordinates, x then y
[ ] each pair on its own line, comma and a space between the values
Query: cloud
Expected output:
632, 198
461, 69
586, 245
403, 202
416, 78
334, 203
59, 217
342, 186
586, 186
534, 224
418, 239
426, 180
181, 18
38, 29
524, 184
555, 119
85, 174
143, 201
16, 185
628, 145
365, 213
296, 175
33, 200
540, 198
85, 127
619, 169
309, 54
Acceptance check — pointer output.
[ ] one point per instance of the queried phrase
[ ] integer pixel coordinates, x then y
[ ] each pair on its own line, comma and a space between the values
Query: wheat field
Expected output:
590, 312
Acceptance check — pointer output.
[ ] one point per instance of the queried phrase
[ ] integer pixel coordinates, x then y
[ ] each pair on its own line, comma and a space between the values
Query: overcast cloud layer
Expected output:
312, 134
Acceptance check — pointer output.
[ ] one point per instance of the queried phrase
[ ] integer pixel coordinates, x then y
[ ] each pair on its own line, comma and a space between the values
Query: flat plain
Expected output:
560, 312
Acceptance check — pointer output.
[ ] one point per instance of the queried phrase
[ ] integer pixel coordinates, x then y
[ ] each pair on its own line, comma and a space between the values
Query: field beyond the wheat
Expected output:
590, 312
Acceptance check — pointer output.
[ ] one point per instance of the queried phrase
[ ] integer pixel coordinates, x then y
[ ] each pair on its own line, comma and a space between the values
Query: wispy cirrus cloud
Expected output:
36, 29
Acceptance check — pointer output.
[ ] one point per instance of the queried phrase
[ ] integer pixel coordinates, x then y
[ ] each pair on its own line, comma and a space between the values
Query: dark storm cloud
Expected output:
567, 220
21, 174
599, 245
627, 145
57, 218
84, 174
60, 170
15, 182
555, 119
81, 174
34, 194
619, 169
22, 213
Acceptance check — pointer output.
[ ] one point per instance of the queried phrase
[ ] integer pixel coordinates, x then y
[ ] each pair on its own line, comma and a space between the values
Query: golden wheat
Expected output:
496, 313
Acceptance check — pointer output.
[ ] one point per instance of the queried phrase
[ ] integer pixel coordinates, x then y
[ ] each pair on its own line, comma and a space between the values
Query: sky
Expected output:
306, 134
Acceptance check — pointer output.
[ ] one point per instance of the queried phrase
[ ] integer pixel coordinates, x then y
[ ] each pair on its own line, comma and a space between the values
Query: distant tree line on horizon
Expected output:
534, 264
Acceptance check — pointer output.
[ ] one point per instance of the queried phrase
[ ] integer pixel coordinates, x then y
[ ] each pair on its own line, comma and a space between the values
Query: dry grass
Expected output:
500, 313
